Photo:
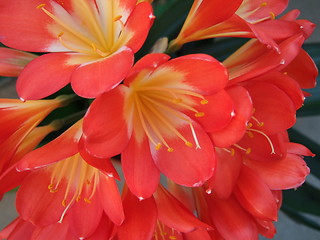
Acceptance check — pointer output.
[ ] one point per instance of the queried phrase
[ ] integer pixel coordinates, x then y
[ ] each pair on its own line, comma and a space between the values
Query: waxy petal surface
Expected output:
189, 166
105, 129
140, 172
94, 78
45, 75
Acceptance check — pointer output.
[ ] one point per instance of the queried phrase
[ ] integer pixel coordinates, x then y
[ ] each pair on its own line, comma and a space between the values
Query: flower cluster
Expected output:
214, 132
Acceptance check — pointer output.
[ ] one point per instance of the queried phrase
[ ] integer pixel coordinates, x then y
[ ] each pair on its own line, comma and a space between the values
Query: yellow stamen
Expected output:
87, 200
266, 136
247, 151
204, 101
41, 6
272, 15
170, 149
189, 144
199, 114
263, 4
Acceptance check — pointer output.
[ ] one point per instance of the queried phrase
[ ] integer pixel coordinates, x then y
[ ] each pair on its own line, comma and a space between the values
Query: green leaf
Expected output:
299, 218
305, 199
170, 17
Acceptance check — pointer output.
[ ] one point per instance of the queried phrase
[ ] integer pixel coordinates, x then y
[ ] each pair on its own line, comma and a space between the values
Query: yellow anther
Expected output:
60, 34
189, 144
87, 200
88, 182
204, 101
248, 151
64, 203
177, 100
250, 134
273, 16
40, 6
232, 152
78, 198
249, 125
263, 4
50, 186
158, 146
199, 114
53, 190
172, 237
117, 18
261, 124
170, 149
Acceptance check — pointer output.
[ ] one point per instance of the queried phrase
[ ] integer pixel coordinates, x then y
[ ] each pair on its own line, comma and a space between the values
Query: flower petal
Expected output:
94, 78
189, 166
140, 172
272, 106
288, 172
173, 214
200, 71
217, 115
45, 75
237, 127
105, 130
48, 154
140, 218
22, 18
231, 220
226, 173
139, 24
40, 207
13, 61
110, 199
255, 196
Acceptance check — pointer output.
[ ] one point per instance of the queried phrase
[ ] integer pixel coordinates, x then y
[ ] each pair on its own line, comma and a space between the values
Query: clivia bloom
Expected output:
158, 120
243, 18
21, 229
13, 61
62, 184
18, 119
165, 217
91, 43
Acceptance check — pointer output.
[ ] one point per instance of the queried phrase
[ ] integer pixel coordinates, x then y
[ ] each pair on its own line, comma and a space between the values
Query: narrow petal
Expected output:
237, 127
303, 70
22, 18
48, 154
110, 199
226, 173
272, 106
40, 207
255, 196
173, 214
231, 220
13, 61
45, 75
17, 230
106, 132
188, 166
139, 24
140, 172
299, 149
140, 218
94, 78
201, 17
85, 216
285, 173
286, 84
217, 115
200, 71
103, 164
149, 61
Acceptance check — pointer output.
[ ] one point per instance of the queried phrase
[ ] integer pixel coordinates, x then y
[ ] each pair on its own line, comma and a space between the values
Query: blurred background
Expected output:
287, 228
